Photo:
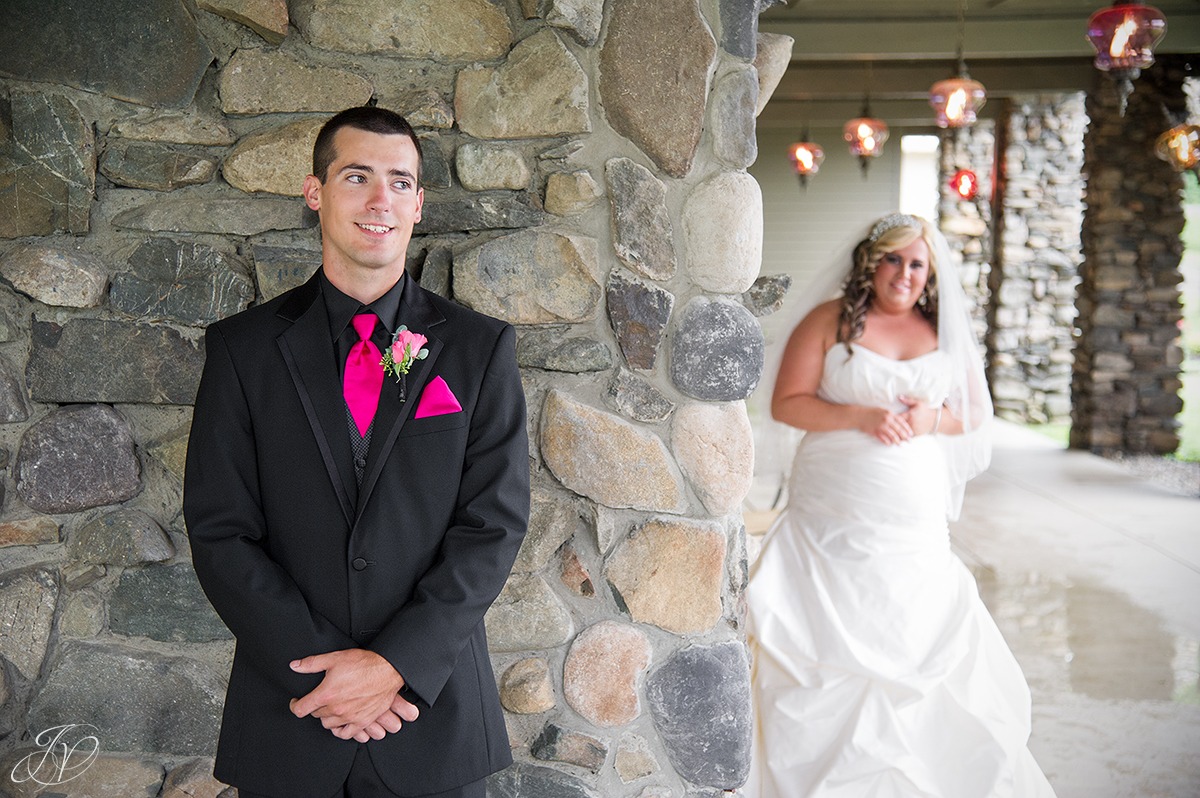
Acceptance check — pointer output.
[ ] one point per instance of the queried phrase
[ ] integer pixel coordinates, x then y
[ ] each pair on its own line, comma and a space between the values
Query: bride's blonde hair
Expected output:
888, 235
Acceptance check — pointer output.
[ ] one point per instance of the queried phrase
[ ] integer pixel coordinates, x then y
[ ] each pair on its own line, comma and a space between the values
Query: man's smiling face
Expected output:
368, 203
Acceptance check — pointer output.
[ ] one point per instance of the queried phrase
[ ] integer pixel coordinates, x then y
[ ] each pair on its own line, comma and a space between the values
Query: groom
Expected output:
352, 527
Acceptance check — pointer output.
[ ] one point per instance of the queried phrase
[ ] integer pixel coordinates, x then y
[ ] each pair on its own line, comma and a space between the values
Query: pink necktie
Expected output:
364, 375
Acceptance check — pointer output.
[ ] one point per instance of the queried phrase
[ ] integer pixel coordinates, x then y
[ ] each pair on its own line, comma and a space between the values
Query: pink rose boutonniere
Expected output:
405, 349
398, 358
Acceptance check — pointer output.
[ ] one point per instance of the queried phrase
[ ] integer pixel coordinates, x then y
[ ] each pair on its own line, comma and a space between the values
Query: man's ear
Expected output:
312, 192
420, 204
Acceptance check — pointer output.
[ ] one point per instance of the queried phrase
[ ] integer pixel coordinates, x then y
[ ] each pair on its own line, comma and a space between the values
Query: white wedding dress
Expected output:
878, 671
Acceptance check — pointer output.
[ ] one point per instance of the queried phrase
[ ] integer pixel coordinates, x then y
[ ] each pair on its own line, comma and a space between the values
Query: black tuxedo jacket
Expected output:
298, 560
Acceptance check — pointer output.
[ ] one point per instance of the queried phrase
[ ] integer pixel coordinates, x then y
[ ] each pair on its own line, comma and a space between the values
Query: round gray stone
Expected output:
700, 703
717, 351
732, 112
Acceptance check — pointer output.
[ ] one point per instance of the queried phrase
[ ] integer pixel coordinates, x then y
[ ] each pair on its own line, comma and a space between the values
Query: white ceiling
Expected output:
898, 48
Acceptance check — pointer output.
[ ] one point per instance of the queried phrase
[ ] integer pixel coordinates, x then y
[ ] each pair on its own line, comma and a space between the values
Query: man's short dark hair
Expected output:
364, 117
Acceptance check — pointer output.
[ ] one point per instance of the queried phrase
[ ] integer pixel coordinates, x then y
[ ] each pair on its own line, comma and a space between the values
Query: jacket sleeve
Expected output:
424, 638
255, 597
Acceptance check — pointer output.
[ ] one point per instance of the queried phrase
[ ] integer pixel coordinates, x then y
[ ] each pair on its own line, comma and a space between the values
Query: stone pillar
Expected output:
967, 223
1040, 210
1126, 379
585, 180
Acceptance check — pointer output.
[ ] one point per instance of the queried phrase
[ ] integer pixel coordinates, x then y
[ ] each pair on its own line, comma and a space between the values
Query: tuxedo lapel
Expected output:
308, 351
420, 316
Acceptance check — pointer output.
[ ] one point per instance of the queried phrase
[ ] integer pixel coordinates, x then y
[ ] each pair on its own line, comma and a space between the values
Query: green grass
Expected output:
1189, 419
1059, 433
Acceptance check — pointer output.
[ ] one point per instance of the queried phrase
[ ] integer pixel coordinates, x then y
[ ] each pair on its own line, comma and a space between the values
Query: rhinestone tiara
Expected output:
891, 222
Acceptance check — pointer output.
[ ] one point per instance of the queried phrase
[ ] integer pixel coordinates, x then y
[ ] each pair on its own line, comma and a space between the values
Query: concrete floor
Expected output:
1094, 578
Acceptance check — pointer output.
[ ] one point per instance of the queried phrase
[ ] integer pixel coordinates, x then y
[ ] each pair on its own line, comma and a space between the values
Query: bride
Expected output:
878, 671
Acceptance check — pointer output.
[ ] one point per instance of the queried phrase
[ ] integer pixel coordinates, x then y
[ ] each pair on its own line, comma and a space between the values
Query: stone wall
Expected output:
1036, 266
585, 178
1019, 240
1126, 377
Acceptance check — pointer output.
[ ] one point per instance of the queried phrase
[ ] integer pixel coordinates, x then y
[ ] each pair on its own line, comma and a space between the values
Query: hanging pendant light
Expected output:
1180, 147
806, 157
866, 136
1124, 36
957, 100
965, 184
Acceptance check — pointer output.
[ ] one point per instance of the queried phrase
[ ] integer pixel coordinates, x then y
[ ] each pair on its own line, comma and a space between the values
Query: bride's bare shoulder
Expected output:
823, 319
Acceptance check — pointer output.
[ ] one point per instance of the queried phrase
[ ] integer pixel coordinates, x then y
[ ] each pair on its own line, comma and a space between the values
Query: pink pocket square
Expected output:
437, 400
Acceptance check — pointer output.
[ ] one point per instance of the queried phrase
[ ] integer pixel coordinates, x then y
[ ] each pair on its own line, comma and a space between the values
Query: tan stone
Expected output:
26, 615
171, 452
105, 777
602, 673
530, 277
276, 161
525, 688
569, 193
552, 520
670, 573
558, 744
193, 779
439, 30
527, 615
714, 446
539, 91
634, 760
575, 574
607, 459
28, 531
267, 18
772, 60
723, 227
484, 167
177, 127
83, 615
270, 81
654, 75
581, 17
423, 108
56, 275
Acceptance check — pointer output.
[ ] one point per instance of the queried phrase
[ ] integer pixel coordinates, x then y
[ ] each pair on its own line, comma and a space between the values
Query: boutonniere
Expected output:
406, 348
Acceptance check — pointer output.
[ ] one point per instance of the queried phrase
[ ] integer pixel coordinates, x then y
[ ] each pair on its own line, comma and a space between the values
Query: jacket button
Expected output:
358, 563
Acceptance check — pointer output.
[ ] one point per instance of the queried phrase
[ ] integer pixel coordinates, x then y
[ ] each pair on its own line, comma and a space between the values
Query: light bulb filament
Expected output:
1119, 48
